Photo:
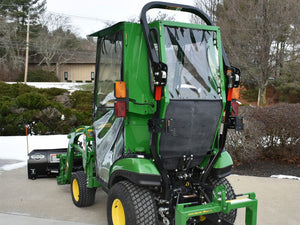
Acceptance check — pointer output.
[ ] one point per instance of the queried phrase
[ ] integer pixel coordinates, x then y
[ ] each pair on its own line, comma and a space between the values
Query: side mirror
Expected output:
120, 93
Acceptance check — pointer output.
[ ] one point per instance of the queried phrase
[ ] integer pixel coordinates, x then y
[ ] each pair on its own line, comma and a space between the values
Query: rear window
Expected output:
193, 63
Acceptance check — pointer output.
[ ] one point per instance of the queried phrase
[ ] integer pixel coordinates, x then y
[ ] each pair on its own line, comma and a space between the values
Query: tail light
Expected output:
120, 109
158, 93
122, 100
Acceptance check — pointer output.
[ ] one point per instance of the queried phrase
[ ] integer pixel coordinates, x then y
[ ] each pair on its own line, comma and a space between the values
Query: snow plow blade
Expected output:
185, 211
44, 163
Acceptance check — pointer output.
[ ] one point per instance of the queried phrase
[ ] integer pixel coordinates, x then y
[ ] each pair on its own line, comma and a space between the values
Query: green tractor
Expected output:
162, 108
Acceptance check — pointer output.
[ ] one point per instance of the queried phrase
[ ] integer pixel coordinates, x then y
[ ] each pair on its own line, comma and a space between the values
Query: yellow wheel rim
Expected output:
202, 218
117, 213
75, 189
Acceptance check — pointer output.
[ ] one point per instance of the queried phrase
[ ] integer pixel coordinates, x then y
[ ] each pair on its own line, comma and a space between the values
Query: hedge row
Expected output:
39, 76
271, 132
45, 111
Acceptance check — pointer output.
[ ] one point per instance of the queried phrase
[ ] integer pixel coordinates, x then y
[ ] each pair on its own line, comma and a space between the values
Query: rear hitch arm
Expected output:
184, 212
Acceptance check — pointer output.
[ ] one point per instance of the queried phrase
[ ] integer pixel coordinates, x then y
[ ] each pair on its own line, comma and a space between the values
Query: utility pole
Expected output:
27, 49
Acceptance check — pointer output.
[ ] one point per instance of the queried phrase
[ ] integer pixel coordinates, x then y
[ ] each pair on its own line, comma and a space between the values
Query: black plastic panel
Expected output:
44, 162
191, 128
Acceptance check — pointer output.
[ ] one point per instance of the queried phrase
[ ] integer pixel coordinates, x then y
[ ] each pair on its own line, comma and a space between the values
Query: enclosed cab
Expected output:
162, 107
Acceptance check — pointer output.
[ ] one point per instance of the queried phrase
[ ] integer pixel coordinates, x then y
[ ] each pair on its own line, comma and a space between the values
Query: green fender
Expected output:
140, 171
225, 160
222, 167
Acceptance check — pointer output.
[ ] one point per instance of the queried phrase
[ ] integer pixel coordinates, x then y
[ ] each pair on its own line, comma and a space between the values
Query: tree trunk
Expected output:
262, 101
57, 67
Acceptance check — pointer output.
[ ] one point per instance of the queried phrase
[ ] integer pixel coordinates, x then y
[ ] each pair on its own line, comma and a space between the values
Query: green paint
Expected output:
136, 165
219, 204
224, 161
141, 107
75, 151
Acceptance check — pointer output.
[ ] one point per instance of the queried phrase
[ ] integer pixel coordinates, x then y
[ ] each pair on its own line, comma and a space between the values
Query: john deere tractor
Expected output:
162, 108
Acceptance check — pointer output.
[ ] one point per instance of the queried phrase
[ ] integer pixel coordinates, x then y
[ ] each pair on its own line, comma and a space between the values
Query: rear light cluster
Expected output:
120, 92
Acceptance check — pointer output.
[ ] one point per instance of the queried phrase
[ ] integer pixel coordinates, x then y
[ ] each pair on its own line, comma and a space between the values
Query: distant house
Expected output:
76, 68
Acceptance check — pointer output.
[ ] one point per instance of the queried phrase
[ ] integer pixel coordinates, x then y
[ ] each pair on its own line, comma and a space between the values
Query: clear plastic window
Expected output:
193, 63
109, 69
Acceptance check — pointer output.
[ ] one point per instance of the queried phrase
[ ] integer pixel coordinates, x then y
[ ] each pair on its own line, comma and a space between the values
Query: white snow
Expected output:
13, 166
285, 177
70, 86
15, 147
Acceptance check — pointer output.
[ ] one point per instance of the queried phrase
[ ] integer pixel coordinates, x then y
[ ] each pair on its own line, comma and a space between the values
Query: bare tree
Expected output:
207, 6
13, 20
55, 43
11, 49
257, 36
150, 18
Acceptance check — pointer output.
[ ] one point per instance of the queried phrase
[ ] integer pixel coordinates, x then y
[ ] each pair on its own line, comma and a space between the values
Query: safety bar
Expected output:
156, 64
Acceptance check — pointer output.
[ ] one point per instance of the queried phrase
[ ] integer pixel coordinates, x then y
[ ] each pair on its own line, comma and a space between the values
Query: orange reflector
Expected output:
157, 93
120, 109
236, 93
120, 89
229, 73
229, 96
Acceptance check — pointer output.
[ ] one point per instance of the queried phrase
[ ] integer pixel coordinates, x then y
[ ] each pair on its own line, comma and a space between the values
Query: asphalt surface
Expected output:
43, 202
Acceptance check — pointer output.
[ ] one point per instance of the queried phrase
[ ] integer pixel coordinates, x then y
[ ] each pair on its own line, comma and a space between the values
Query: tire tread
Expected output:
140, 200
86, 195
231, 216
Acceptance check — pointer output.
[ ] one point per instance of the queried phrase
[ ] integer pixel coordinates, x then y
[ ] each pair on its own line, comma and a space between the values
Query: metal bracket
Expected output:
185, 211
157, 125
236, 122
160, 76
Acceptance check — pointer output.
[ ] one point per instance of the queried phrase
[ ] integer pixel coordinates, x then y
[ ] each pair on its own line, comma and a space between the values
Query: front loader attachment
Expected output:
187, 212
79, 156
73, 153
43, 163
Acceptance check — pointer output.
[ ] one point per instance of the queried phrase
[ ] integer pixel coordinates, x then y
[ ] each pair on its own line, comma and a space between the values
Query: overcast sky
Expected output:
88, 16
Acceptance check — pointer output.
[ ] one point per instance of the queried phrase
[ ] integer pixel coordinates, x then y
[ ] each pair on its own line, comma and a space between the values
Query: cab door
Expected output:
109, 130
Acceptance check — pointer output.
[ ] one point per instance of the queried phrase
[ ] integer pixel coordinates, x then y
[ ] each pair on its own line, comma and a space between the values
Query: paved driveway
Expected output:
43, 202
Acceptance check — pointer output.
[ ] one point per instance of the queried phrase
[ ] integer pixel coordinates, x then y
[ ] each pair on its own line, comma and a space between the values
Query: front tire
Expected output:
82, 196
129, 204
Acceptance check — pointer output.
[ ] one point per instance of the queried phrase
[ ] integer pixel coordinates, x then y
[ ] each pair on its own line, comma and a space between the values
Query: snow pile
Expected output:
13, 166
15, 147
64, 85
285, 177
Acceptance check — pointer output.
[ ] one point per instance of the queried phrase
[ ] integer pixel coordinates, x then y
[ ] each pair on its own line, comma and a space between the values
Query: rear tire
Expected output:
131, 205
231, 216
82, 196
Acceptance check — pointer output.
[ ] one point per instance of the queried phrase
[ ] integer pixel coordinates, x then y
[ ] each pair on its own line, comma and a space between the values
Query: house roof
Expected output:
68, 57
